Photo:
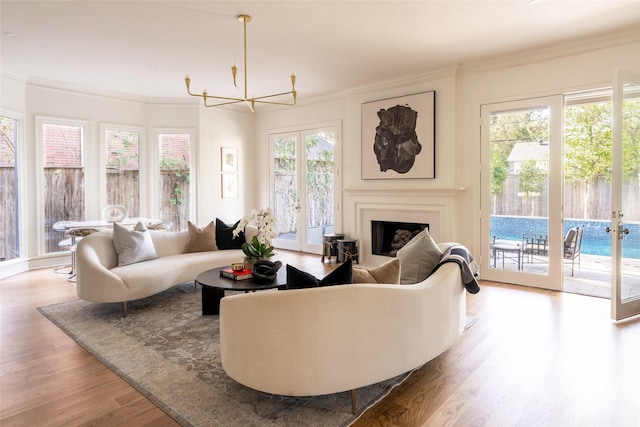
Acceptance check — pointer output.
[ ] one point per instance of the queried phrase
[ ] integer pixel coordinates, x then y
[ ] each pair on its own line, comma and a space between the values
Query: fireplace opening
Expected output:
387, 237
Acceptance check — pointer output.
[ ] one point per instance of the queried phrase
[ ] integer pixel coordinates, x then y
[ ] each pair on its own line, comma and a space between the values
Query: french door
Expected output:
521, 209
625, 242
302, 186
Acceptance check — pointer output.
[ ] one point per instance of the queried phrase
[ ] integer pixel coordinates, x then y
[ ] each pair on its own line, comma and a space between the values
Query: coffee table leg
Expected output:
211, 300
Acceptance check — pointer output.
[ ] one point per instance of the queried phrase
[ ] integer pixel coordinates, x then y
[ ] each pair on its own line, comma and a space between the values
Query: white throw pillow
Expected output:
418, 258
133, 245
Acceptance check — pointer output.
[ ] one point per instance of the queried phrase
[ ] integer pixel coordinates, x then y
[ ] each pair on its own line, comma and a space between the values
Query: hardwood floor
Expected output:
534, 357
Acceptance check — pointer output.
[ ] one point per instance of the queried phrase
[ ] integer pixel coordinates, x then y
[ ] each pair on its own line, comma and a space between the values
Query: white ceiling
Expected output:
145, 48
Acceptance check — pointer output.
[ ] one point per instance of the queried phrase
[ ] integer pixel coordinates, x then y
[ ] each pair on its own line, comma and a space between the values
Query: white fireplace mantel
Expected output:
433, 206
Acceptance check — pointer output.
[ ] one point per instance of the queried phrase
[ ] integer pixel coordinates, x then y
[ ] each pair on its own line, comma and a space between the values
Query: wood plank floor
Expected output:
534, 358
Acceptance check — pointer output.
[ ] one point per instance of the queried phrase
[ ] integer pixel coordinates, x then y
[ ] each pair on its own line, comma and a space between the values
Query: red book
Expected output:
236, 275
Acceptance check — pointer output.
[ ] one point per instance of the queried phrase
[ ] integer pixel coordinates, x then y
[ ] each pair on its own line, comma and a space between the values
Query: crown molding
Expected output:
574, 47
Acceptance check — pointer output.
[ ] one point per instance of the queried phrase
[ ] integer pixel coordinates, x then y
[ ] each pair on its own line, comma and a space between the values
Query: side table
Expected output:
347, 248
330, 245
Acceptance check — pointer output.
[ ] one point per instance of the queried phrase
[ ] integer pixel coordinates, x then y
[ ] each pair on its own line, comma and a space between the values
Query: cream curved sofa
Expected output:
100, 279
316, 341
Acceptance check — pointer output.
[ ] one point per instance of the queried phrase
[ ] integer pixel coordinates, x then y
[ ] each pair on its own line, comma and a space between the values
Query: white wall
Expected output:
590, 69
222, 128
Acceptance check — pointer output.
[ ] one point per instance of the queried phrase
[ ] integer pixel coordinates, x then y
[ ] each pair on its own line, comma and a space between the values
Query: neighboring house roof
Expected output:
523, 151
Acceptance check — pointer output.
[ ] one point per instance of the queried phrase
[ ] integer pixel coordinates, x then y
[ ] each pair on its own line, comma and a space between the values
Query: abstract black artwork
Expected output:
398, 137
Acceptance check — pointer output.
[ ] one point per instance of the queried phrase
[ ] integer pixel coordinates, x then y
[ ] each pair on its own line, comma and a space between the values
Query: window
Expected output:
175, 179
9, 238
122, 162
64, 177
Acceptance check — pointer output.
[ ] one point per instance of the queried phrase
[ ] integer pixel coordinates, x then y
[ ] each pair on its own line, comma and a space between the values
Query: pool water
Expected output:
595, 241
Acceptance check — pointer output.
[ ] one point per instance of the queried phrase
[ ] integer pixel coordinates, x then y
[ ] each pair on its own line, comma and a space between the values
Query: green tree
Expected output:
587, 139
631, 138
508, 128
499, 171
531, 182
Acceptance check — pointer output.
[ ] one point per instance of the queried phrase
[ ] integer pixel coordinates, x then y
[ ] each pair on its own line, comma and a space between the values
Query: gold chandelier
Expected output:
251, 102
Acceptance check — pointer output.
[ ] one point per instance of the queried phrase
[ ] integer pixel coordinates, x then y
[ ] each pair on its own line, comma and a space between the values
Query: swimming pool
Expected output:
596, 241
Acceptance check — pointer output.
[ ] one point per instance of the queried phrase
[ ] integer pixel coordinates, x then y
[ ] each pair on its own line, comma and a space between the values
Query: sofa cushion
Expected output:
201, 239
224, 236
298, 279
156, 275
418, 258
389, 272
133, 245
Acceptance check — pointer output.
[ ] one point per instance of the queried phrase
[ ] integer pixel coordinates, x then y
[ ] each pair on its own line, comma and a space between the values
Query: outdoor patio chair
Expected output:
572, 245
535, 244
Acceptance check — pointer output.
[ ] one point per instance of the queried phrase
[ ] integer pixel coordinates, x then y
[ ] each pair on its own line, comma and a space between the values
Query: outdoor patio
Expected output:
592, 276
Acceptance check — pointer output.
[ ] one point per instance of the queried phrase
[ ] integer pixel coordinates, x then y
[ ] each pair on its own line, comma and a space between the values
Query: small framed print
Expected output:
229, 159
229, 185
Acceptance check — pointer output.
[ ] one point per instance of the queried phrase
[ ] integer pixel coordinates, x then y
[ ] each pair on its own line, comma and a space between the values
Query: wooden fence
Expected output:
8, 217
582, 200
64, 203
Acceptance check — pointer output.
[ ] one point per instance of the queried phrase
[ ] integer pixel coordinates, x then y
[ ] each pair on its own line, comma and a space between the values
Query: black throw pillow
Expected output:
224, 236
298, 279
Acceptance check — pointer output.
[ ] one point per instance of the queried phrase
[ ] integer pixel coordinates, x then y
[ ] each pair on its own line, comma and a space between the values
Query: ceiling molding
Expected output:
575, 47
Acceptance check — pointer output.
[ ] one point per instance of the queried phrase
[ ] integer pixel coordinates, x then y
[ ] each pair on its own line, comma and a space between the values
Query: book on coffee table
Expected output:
236, 275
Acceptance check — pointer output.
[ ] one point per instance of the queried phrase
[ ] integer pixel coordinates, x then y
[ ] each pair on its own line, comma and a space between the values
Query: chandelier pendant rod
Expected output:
245, 18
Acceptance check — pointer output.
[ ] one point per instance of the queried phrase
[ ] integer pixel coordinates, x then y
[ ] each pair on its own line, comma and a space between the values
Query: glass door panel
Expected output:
625, 220
520, 191
284, 148
319, 188
587, 193
302, 191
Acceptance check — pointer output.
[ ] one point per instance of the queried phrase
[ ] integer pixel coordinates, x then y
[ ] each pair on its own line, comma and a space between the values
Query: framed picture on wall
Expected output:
229, 159
229, 185
398, 137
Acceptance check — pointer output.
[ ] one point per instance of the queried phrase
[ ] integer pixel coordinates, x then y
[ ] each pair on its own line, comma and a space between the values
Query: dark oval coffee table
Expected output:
213, 287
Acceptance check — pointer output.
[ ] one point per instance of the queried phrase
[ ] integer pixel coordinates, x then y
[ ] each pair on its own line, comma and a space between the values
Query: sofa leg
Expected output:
353, 401
125, 309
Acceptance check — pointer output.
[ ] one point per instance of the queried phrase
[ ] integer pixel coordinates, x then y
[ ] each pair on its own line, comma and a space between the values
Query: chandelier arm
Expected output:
274, 95
216, 97
233, 101
274, 103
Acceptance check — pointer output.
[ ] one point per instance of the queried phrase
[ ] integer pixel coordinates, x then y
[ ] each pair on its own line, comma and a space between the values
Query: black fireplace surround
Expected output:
387, 237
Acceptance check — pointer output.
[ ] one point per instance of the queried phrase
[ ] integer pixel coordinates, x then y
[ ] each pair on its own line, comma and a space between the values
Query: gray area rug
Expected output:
170, 353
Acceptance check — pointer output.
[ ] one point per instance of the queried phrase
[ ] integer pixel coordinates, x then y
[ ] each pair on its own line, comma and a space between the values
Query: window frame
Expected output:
155, 199
143, 201
40, 121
